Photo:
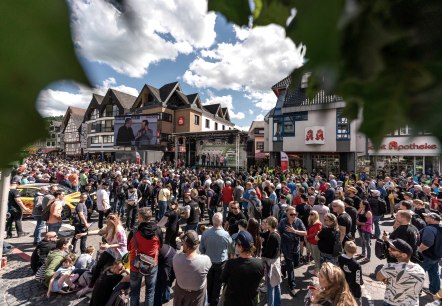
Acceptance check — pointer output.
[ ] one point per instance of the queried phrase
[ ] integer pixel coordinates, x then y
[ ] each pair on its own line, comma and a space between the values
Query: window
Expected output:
216, 126
342, 126
94, 114
258, 131
53, 144
108, 139
52, 135
111, 111
51, 128
107, 126
207, 124
165, 117
197, 120
260, 145
48, 144
95, 139
224, 127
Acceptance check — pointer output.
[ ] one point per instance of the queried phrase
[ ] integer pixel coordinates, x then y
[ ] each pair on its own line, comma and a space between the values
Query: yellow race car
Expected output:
71, 198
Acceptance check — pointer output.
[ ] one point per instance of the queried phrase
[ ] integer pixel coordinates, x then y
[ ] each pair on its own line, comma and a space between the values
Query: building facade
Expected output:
54, 140
256, 156
70, 130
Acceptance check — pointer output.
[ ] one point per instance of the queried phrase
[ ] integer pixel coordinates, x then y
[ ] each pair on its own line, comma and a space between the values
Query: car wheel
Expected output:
66, 212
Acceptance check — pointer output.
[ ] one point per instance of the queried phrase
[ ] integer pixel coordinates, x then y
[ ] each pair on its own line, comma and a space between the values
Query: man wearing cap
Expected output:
242, 275
191, 271
431, 237
215, 243
403, 279
376, 208
15, 210
352, 194
103, 203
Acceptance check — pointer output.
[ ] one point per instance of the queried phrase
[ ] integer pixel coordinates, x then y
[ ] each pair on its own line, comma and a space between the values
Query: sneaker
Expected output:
84, 291
294, 291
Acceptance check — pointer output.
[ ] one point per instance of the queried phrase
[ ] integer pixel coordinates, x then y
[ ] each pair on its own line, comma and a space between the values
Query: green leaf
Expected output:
272, 11
36, 49
236, 11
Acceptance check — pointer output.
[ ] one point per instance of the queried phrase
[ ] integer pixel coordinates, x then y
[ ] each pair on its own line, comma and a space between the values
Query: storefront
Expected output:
418, 155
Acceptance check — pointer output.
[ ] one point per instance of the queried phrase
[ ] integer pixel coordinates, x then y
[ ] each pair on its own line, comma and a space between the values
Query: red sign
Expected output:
394, 146
181, 120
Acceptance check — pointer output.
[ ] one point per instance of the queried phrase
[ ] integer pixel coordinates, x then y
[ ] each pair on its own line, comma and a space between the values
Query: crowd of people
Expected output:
222, 236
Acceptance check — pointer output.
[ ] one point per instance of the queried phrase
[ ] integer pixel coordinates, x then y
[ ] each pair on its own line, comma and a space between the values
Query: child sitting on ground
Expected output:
86, 261
352, 270
62, 280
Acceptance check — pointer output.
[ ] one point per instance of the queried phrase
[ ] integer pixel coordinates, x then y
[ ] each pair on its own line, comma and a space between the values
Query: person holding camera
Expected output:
132, 198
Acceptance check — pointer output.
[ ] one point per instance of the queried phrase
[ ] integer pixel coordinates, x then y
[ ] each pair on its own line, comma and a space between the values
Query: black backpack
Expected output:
337, 245
417, 221
47, 211
382, 207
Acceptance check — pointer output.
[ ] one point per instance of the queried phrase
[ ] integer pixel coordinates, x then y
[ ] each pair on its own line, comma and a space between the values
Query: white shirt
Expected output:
102, 200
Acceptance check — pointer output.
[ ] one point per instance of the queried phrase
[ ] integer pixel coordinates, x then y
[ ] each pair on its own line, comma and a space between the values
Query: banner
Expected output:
139, 131
284, 162
314, 135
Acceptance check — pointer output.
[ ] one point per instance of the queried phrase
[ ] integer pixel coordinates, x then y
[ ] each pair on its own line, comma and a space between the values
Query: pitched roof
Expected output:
98, 98
125, 99
74, 113
212, 108
155, 92
284, 83
166, 90
183, 96
298, 98
191, 98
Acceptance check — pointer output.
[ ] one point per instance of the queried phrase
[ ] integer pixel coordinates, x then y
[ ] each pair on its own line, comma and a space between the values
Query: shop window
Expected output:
197, 120
342, 126
207, 124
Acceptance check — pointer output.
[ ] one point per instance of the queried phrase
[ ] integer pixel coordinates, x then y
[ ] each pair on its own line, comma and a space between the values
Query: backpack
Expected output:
38, 204
418, 222
257, 210
337, 245
382, 207
47, 211
380, 249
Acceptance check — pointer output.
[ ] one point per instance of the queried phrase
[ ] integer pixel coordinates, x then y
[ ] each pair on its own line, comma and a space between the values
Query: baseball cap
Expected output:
190, 237
433, 215
244, 239
352, 189
401, 246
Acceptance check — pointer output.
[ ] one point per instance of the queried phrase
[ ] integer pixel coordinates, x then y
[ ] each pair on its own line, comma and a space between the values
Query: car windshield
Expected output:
66, 189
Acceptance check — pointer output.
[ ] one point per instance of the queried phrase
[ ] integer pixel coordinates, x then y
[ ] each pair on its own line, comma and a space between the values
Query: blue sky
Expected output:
175, 40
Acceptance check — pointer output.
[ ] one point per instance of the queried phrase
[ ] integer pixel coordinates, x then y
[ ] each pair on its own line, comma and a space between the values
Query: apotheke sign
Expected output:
406, 146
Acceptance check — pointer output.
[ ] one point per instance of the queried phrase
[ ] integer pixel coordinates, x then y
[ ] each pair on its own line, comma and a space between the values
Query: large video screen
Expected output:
138, 131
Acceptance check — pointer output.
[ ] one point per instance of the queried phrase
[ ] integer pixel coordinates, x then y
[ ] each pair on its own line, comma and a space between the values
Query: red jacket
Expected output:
227, 196
150, 247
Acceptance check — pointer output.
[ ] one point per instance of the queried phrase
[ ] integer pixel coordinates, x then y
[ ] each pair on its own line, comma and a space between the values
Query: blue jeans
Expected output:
119, 204
38, 228
54, 227
135, 287
273, 294
290, 265
432, 266
366, 243
377, 228
162, 206
191, 227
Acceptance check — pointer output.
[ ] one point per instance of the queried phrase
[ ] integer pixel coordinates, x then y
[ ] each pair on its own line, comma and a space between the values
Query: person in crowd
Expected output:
314, 227
89, 201
103, 203
42, 250
428, 240
113, 247
253, 227
226, 197
54, 259
62, 280
147, 239
215, 243
132, 199
37, 212
352, 193
16, 208
86, 259
233, 217
271, 257
321, 208
165, 275
243, 274
191, 271
266, 206
402, 276
191, 212
376, 208
353, 213
80, 223
365, 226
403, 229
55, 208
291, 230
344, 221
163, 197
327, 237
329, 193
352, 270
334, 289
172, 225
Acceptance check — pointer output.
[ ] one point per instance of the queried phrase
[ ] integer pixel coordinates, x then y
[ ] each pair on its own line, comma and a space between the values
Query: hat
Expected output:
190, 237
304, 197
401, 246
375, 192
228, 183
353, 189
244, 239
433, 215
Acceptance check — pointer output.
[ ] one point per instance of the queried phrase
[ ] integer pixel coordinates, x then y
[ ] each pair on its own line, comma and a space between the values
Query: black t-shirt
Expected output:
271, 246
326, 237
353, 213
409, 233
172, 220
266, 208
303, 211
344, 219
356, 202
233, 221
242, 276
195, 212
103, 288
13, 194
353, 274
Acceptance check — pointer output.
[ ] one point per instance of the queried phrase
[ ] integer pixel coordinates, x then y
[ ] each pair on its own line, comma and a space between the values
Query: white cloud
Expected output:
164, 29
242, 128
225, 101
263, 58
250, 111
52, 102
260, 117
264, 100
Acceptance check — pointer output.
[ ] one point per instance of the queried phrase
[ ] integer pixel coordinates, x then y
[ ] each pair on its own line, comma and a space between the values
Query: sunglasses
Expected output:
292, 215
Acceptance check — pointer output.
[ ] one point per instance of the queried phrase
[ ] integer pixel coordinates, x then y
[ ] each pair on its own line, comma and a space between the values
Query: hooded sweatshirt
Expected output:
40, 253
149, 241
